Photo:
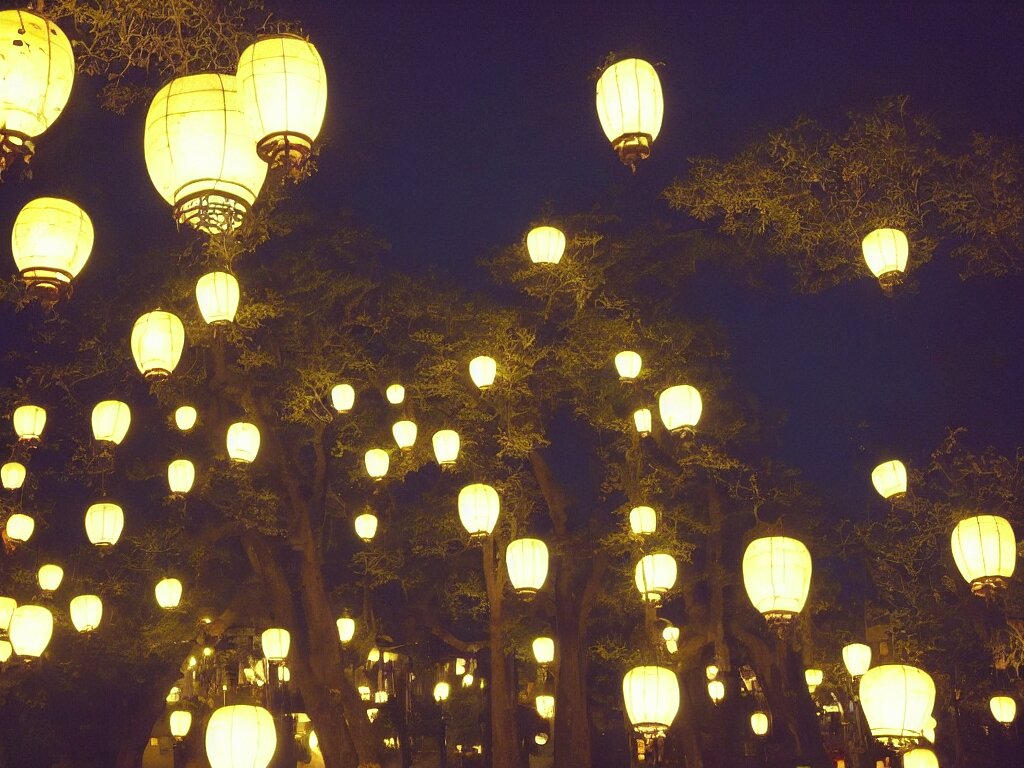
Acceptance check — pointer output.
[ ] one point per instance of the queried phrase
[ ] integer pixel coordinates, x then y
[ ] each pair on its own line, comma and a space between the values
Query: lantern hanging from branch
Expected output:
366, 526
479, 507
395, 394
651, 695
377, 462
890, 479
670, 635
442, 691
30, 631
276, 642
168, 593
405, 434
628, 364
110, 421
545, 706
711, 671
920, 757
643, 520
630, 106
158, 339
446, 446
86, 612
759, 723
181, 474
103, 523
1004, 709
527, 563
51, 242
545, 245
241, 736
12, 475
20, 527
985, 551
217, 295
777, 577
185, 417
813, 678
29, 421
50, 576
655, 575
343, 397
680, 408
482, 370
885, 251
897, 700
243, 442
544, 650
180, 723
716, 691
642, 420
857, 658
346, 628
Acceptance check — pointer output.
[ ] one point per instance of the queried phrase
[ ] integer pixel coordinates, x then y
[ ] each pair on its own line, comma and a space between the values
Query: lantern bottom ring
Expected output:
653, 597
156, 374
526, 593
15, 146
779, 620
632, 148
988, 586
287, 150
650, 730
213, 212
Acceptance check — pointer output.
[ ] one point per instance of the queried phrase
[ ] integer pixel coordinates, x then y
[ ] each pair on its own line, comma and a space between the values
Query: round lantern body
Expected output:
540, 739
180, 723
110, 421
544, 650
51, 242
168, 593
346, 628
30, 631
985, 552
716, 691
441, 691
185, 417
6, 651
759, 723
217, 295
181, 474
630, 106
670, 634
343, 397
777, 576
104, 523
241, 736
921, 757
12, 475
680, 408
628, 364
200, 153
479, 507
20, 527
545, 245
643, 521
243, 442
395, 394
651, 695
7, 606
405, 434
86, 612
1004, 709
897, 701
642, 420
885, 251
446, 446
50, 576
38, 72
711, 671
857, 658
527, 563
545, 706
377, 462
29, 421
366, 526
482, 371
158, 339
655, 575
890, 479
276, 642
813, 678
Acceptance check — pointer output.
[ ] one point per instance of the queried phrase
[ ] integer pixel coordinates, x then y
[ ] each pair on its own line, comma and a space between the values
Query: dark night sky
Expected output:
451, 124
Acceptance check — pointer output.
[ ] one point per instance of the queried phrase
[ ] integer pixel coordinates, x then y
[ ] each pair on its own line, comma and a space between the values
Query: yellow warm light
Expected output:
395, 394
377, 462
545, 704
643, 520
897, 701
446, 446
540, 739
759, 723
110, 421
364, 692
985, 552
642, 420
180, 723
467, 680
716, 690
7, 606
20, 527
670, 635
217, 295
479, 507
366, 526
651, 695
630, 106
158, 339
12, 475
241, 736
628, 365
200, 153
711, 671
29, 421
655, 575
921, 757
527, 563
6, 651
544, 650
885, 251
104, 523
1004, 709
185, 417
442, 691
777, 576
346, 628
857, 658
482, 371
50, 576
86, 612
405, 433
680, 408
276, 642
51, 242
181, 474
243, 442
813, 678
890, 479
168, 593
545, 245
30, 631
343, 397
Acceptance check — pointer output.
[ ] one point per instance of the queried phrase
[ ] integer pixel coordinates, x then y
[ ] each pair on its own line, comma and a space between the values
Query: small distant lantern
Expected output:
630, 106
7, 606
929, 729
716, 691
20, 527
813, 678
985, 551
643, 520
759, 723
395, 394
540, 739
366, 526
711, 671
110, 421
346, 628
527, 563
276, 642
180, 723
670, 635
241, 736
168, 593
103, 523
642, 420
482, 370
920, 757
343, 397
885, 251
243, 442
377, 462
446, 446
405, 433
890, 479
181, 474
371, 714
651, 695
158, 339
545, 245
479, 507
86, 612
29, 421
185, 417
50, 576
442, 691
545, 704
380, 697
655, 575
857, 658
1004, 709
680, 408
30, 631
51, 242
897, 700
12, 475
544, 650
777, 577
467, 680
217, 295
628, 365
364, 692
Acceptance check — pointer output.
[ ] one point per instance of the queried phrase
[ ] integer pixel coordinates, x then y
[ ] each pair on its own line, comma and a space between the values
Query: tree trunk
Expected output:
140, 715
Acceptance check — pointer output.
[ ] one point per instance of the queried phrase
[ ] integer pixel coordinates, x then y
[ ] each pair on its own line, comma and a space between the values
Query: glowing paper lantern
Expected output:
30, 631
651, 695
343, 397
377, 462
168, 593
7, 606
921, 757
890, 479
276, 642
671, 637
777, 577
711, 671
628, 365
716, 690
12, 475
885, 251
985, 552
1004, 709
185, 417
544, 650
6, 651
366, 526
897, 700
642, 420
655, 575
680, 408
158, 339
405, 433
545, 706
217, 295
50, 576
540, 739
527, 563
857, 658
813, 678
759, 723
20, 527
110, 421
241, 736
446, 446
346, 628
545, 245
51, 242
482, 370
395, 394
180, 723
442, 691
103, 523
181, 474
86, 612
243, 442
29, 421
643, 520
630, 106
200, 153
479, 507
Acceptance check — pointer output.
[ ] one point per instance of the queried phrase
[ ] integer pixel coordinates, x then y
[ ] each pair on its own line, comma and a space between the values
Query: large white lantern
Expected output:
482, 370
655, 575
405, 434
12, 475
30, 631
885, 251
446, 446
20, 527
857, 658
29, 421
168, 593
110, 421
180, 723
479, 507
366, 526
1004, 708
985, 552
890, 479
544, 650
50, 576
643, 520
651, 695
920, 757
628, 365
103, 523
181, 474
377, 462
217, 295
6, 651
185, 417
630, 106
51, 242
241, 736
680, 408
897, 700
86, 612
527, 563
276, 642
343, 397
545, 245
777, 576
7, 606
200, 153
243, 442
158, 339
642, 421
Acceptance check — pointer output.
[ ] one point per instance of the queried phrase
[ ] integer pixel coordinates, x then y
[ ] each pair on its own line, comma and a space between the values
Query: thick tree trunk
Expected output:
572, 720
140, 715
